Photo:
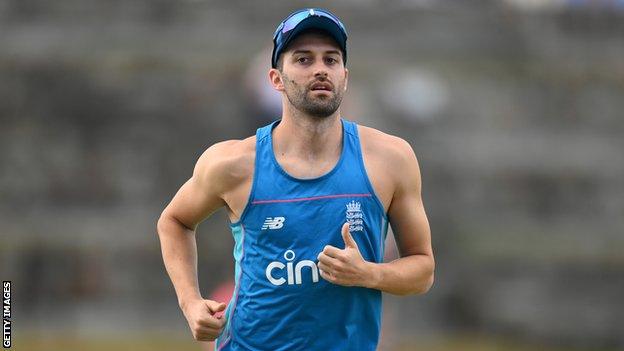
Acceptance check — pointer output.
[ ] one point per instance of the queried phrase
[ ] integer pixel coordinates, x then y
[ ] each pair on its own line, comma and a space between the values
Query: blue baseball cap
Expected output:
304, 19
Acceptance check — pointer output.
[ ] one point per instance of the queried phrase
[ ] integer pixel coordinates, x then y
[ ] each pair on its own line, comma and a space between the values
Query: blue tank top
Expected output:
280, 301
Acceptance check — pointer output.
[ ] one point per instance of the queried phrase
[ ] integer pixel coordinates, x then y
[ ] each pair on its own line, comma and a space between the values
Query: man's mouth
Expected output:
321, 87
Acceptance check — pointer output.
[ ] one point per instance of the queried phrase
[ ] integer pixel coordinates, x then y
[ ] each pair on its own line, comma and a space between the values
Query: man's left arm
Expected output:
412, 273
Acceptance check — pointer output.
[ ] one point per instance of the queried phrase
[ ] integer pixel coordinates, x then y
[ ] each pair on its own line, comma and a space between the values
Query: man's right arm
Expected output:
197, 199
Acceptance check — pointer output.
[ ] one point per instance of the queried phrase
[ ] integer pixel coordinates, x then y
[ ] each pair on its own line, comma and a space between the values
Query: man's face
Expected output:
313, 74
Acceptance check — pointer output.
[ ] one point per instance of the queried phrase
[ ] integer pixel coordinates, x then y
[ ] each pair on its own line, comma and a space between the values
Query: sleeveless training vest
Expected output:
280, 301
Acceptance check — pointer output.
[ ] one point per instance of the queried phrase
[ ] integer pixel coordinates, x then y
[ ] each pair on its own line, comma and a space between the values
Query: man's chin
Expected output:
320, 105
320, 112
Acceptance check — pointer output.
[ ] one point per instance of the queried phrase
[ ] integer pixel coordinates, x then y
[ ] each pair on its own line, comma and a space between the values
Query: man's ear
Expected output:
346, 79
275, 77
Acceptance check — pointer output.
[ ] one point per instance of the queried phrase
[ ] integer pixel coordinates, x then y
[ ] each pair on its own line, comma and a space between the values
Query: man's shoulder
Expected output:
385, 152
377, 143
229, 160
234, 149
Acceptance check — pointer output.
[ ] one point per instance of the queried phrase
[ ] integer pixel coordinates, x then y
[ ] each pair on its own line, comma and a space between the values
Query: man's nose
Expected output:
320, 70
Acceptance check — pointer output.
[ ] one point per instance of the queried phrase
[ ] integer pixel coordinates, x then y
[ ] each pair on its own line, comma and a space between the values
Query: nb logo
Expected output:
273, 223
293, 272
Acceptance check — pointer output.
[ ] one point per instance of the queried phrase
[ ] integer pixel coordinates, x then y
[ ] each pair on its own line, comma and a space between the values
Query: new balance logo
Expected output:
273, 223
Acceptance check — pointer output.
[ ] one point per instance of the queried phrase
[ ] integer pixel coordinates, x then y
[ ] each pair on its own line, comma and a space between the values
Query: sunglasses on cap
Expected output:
289, 28
294, 19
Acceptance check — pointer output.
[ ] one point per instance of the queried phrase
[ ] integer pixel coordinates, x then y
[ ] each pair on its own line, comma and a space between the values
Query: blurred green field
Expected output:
177, 342
72, 342
474, 343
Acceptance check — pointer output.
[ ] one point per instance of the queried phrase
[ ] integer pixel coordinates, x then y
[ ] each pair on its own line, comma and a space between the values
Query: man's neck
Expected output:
307, 136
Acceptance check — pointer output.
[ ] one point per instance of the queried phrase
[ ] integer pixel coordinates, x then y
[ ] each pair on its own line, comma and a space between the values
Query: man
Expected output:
310, 197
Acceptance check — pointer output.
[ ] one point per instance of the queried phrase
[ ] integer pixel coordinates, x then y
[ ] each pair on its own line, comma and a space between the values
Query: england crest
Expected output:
355, 217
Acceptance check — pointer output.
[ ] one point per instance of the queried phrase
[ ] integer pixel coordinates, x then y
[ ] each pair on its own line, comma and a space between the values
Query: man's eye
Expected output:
302, 59
331, 60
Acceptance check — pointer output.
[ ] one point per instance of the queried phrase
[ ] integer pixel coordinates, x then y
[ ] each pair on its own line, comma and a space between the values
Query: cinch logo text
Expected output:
275, 270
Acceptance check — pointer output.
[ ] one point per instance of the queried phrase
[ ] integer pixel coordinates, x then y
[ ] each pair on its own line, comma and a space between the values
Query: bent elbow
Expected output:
161, 223
165, 224
421, 287
424, 286
168, 223
426, 283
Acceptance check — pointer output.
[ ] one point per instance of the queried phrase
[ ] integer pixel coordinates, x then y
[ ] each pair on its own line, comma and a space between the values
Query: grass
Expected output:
178, 342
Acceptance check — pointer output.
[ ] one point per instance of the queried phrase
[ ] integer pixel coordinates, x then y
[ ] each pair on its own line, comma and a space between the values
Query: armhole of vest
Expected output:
252, 191
358, 143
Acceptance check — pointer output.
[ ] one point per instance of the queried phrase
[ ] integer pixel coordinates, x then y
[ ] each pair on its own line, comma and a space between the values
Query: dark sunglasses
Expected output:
294, 19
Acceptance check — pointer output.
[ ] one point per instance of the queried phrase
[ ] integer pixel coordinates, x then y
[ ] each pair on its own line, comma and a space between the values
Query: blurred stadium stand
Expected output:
515, 109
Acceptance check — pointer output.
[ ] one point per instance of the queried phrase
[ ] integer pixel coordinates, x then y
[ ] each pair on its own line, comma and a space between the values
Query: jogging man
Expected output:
309, 197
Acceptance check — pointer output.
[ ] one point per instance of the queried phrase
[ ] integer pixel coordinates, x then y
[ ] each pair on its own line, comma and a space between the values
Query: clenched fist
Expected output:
204, 319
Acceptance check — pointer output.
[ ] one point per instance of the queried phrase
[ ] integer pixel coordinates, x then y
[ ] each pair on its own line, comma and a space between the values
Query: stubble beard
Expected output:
319, 106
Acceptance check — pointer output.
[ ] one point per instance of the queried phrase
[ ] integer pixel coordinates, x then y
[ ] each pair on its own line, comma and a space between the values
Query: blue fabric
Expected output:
280, 300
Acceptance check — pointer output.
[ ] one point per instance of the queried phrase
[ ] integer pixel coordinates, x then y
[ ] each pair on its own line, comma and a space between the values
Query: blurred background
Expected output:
515, 110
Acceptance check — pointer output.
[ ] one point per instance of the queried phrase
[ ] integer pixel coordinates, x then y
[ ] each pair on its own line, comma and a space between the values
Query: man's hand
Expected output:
346, 267
204, 318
